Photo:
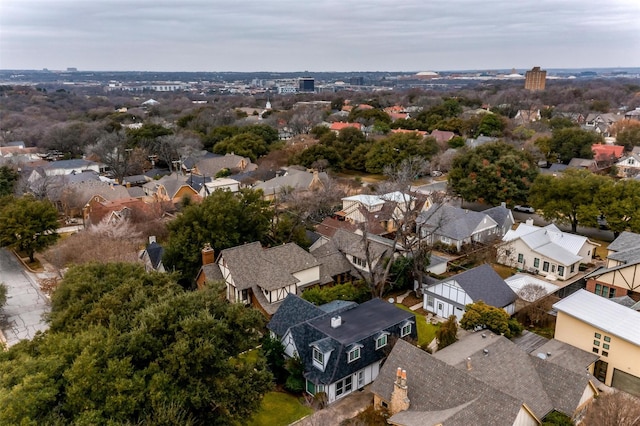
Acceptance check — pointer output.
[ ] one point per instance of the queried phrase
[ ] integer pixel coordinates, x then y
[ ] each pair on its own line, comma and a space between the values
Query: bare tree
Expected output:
114, 151
175, 148
613, 409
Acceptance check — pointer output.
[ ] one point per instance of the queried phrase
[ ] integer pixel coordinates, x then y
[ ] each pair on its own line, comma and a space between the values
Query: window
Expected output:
605, 353
612, 292
445, 240
318, 356
360, 379
545, 266
430, 301
595, 350
384, 404
344, 386
605, 346
561, 270
605, 291
381, 341
520, 257
536, 262
573, 268
406, 329
596, 343
311, 388
553, 268
597, 336
607, 339
359, 262
353, 354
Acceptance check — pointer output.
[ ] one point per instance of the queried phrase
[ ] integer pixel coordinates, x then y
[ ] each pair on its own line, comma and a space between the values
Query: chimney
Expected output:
399, 398
503, 204
336, 322
152, 239
208, 254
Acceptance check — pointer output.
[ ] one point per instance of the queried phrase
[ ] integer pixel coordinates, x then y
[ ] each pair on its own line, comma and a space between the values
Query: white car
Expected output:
523, 209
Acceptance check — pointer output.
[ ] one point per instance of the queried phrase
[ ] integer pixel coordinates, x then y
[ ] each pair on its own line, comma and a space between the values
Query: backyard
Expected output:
279, 409
426, 331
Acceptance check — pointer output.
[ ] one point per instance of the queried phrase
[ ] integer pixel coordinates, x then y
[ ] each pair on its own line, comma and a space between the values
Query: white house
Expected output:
450, 296
545, 250
226, 184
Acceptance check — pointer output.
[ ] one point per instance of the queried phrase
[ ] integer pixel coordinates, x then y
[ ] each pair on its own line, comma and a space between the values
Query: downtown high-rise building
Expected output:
535, 79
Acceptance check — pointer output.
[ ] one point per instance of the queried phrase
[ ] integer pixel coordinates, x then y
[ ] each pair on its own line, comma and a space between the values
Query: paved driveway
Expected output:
21, 317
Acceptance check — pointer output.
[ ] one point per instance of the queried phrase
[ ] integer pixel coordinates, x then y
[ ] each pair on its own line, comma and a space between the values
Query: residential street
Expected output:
21, 317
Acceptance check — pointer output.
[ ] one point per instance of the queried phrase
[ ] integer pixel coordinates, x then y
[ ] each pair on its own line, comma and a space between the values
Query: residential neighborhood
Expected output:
419, 256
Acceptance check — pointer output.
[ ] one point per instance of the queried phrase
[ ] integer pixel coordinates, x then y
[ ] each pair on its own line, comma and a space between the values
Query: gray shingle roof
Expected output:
501, 215
439, 393
483, 283
270, 268
452, 222
155, 252
566, 356
544, 386
625, 241
293, 310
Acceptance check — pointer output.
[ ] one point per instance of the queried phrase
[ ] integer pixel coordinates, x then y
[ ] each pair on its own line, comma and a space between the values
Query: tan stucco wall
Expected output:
623, 355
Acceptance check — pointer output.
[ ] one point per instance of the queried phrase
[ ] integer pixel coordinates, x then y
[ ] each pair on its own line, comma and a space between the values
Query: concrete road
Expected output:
22, 316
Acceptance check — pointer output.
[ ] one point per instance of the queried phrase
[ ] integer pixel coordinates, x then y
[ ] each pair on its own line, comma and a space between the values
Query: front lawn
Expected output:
426, 332
279, 409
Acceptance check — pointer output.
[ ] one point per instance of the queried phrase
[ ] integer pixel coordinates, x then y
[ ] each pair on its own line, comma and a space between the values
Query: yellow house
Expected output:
599, 325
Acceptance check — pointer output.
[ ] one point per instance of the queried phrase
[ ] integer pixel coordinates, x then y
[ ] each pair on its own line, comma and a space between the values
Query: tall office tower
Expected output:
306, 84
535, 79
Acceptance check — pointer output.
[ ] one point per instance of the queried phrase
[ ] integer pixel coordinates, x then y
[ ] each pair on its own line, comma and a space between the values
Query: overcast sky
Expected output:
318, 35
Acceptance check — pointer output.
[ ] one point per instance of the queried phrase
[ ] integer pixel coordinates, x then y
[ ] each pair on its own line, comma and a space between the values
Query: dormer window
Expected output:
381, 341
318, 357
353, 354
405, 330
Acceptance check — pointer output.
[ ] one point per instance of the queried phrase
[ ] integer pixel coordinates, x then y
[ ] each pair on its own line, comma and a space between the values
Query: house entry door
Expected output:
600, 370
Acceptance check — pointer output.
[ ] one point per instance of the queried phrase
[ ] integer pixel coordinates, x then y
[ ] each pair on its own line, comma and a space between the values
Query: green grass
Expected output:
279, 409
426, 332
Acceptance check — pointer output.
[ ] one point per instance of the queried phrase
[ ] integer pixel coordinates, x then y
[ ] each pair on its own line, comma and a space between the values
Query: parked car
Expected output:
436, 173
523, 209
602, 222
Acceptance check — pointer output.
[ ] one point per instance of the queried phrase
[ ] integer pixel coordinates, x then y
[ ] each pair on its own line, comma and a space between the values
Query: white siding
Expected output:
289, 345
307, 276
524, 418
370, 373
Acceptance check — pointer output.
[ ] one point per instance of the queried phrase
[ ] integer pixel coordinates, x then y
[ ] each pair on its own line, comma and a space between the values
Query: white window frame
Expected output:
379, 339
318, 356
354, 354
402, 330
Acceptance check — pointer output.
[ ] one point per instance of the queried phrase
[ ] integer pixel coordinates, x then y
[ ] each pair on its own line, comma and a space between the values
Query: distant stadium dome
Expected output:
427, 74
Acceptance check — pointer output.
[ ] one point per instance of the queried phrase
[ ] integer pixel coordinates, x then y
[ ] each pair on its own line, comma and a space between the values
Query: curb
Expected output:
24, 264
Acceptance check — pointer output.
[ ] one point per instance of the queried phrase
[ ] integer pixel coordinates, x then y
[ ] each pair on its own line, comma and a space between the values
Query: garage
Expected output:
626, 382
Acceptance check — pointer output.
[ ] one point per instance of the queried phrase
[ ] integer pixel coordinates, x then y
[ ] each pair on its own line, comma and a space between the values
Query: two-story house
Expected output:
380, 213
605, 328
545, 250
341, 345
261, 277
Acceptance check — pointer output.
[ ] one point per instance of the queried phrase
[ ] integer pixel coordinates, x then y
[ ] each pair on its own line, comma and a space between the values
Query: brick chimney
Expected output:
208, 254
399, 399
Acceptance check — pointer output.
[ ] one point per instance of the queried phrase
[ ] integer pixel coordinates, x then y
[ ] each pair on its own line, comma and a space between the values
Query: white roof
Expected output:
372, 200
518, 281
549, 242
603, 314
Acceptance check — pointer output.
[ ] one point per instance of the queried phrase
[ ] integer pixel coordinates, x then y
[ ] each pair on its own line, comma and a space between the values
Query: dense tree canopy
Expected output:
397, 147
244, 144
629, 136
8, 179
568, 198
493, 173
573, 142
480, 315
619, 203
127, 347
28, 225
224, 220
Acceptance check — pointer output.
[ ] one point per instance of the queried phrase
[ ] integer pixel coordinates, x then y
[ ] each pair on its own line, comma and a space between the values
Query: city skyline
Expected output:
325, 35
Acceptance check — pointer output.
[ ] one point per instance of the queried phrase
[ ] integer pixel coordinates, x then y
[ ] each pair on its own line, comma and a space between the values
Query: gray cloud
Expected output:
322, 35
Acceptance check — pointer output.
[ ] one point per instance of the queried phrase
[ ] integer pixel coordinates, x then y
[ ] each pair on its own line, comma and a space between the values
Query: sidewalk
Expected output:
344, 409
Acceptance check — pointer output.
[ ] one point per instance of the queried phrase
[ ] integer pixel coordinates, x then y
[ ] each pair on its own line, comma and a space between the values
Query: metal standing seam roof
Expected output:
550, 242
603, 314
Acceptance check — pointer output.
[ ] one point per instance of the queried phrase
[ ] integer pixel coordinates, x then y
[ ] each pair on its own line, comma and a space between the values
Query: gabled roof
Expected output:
155, 252
337, 126
602, 314
500, 214
210, 165
442, 135
74, 164
483, 283
270, 268
454, 222
499, 363
296, 179
550, 242
603, 152
439, 393
329, 226
625, 241
292, 311
332, 262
